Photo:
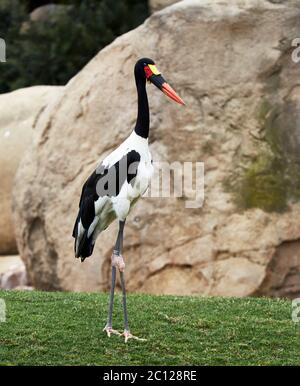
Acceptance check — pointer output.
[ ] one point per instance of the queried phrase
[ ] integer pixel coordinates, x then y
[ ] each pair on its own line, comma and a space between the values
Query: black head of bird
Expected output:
145, 69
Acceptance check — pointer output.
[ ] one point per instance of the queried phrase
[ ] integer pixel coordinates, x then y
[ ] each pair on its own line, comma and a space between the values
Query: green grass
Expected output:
58, 328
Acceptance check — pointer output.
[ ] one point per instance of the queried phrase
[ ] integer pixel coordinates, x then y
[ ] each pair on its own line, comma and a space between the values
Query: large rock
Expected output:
156, 5
48, 12
12, 272
231, 63
8, 262
19, 112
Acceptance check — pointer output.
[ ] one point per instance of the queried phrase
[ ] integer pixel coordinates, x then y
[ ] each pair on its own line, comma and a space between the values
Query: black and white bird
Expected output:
117, 183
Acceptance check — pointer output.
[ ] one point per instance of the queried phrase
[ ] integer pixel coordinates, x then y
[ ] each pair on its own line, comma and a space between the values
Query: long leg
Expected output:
126, 324
126, 332
119, 243
121, 266
111, 297
108, 328
116, 256
118, 251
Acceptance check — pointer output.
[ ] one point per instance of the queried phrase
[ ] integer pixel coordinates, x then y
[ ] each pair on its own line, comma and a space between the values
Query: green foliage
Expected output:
12, 15
54, 50
66, 329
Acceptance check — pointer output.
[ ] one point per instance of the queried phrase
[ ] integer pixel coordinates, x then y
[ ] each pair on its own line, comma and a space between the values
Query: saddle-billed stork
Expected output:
116, 184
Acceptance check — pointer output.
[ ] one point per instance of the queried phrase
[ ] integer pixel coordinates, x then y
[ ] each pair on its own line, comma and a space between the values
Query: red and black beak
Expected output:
155, 77
159, 82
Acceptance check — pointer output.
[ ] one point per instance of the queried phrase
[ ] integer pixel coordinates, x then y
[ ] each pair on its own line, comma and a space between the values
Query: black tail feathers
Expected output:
85, 247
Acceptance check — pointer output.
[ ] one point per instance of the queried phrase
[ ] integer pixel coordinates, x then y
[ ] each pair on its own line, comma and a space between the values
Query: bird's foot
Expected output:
109, 330
127, 334
118, 261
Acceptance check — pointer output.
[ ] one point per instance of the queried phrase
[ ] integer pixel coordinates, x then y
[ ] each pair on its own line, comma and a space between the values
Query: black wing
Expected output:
102, 182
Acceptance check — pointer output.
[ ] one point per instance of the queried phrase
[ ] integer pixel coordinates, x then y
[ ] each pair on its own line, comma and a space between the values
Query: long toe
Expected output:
127, 334
110, 330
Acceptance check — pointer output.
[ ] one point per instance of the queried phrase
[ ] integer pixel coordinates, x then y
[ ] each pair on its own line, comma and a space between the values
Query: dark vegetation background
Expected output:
53, 50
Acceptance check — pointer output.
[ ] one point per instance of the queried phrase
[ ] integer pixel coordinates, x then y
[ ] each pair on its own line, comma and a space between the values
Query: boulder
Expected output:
19, 112
157, 5
231, 63
48, 12
6, 262
12, 272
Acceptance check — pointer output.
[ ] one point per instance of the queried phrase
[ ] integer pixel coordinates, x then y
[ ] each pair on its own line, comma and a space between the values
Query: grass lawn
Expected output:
56, 328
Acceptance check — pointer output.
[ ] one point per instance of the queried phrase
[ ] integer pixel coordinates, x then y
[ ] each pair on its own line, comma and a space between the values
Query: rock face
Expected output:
156, 5
19, 111
12, 272
231, 63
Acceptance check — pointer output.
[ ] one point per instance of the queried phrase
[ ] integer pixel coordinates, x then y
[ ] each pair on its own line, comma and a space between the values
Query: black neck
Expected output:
142, 121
